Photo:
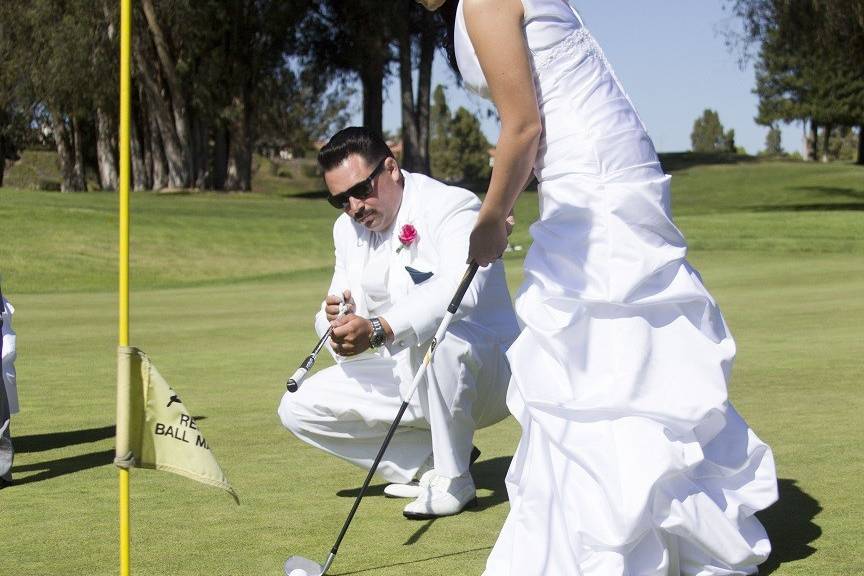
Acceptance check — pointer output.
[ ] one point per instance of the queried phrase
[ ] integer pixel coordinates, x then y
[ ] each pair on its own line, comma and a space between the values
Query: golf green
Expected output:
224, 290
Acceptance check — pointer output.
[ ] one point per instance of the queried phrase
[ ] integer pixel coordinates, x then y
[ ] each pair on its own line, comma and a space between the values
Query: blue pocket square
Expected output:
417, 276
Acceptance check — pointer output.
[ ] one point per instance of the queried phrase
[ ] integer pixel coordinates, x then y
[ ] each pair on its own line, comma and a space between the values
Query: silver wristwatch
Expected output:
379, 336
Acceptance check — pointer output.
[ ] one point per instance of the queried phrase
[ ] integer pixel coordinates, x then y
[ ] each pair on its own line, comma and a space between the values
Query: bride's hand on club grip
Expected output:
488, 241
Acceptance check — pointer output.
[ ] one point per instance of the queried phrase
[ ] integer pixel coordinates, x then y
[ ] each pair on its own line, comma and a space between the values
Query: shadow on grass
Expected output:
790, 526
789, 522
674, 161
488, 475
43, 442
419, 532
62, 466
834, 191
52, 440
373, 569
68, 465
373, 490
308, 195
838, 207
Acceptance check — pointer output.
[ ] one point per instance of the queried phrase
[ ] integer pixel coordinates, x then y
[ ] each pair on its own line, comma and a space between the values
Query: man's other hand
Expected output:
332, 302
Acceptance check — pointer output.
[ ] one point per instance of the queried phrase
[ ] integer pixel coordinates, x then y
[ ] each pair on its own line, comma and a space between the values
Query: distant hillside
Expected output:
68, 242
36, 170
40, 170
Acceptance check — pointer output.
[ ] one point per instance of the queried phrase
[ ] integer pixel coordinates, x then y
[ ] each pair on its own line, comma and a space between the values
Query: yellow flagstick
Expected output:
123, 403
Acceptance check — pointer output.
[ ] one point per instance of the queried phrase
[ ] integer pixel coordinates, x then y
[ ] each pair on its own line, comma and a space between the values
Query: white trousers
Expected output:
347, 409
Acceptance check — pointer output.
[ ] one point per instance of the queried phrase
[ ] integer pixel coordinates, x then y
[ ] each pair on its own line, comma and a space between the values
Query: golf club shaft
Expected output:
297, 378
421, 372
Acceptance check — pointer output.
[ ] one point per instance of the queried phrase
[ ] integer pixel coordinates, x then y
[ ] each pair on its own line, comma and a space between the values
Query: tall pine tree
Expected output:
809, 65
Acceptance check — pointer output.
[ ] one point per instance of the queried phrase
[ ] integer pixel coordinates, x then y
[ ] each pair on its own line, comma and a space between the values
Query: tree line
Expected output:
809, 66
215, 80
212, 82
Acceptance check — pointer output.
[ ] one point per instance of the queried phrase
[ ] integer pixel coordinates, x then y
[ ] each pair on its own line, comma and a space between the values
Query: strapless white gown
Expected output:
632, 460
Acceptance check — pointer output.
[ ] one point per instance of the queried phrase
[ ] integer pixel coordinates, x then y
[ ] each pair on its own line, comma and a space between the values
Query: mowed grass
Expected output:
224, 288
68, 242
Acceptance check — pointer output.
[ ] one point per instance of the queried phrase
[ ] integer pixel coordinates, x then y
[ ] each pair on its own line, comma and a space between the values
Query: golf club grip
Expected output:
301, 372
296, 379
463, 287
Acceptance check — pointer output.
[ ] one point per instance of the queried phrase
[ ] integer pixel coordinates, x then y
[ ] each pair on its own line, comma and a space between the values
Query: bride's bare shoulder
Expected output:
483, 8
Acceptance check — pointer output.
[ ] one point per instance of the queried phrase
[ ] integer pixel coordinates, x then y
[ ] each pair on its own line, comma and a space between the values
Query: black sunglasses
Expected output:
361, 190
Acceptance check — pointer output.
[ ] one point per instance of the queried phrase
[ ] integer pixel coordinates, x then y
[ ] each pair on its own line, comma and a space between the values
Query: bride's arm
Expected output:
495, 29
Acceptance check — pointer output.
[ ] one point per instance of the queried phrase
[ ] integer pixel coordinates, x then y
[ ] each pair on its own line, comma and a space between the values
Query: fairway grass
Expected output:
224, 289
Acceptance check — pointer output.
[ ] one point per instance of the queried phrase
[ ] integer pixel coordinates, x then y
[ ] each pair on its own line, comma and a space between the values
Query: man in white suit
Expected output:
401, 249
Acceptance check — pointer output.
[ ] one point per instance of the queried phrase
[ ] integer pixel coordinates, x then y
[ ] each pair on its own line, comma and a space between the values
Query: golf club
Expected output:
299, 375
300, 566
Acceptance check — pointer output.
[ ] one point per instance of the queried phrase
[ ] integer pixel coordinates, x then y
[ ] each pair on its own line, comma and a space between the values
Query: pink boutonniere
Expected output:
407, 236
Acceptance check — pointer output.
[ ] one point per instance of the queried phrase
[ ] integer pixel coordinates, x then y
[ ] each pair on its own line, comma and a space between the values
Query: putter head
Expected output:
308, 567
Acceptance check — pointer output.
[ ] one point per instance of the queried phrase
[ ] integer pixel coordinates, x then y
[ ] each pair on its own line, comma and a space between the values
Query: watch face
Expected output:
378, 335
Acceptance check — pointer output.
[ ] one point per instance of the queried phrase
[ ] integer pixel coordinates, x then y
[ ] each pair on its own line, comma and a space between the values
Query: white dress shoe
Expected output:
441, 496
410, 490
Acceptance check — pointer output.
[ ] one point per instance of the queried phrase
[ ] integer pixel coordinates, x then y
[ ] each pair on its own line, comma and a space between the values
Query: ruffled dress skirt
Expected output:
632, 460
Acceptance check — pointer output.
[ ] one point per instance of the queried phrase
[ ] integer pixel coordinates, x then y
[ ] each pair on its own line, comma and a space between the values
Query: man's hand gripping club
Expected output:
351, 334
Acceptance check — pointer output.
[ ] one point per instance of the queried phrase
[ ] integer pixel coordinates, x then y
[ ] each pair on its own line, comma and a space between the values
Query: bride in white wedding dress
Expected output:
632, 460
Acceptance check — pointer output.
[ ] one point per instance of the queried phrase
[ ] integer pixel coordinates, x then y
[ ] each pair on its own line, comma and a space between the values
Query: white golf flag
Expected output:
155, 430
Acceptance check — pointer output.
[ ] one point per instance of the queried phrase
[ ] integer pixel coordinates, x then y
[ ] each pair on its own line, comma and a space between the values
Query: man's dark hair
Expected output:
354, 140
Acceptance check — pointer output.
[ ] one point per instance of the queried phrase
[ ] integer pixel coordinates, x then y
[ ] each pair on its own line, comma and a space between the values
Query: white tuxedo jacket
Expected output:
444, 217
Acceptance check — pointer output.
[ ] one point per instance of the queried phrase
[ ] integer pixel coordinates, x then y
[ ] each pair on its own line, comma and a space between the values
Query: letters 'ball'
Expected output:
298, 572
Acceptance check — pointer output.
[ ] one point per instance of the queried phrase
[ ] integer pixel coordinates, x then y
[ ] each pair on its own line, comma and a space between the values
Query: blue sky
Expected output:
670, 56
